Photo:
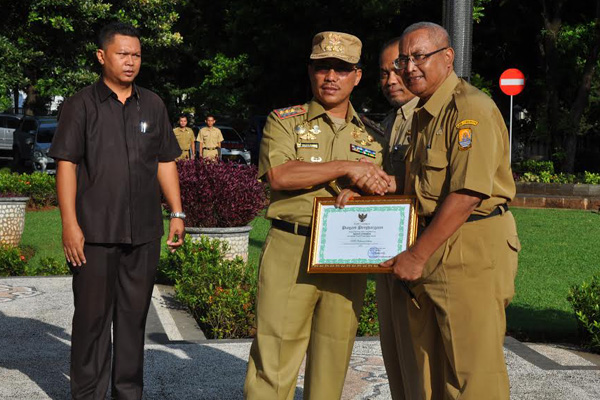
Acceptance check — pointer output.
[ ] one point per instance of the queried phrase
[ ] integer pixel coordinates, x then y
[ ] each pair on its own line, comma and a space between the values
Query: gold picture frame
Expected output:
366, 232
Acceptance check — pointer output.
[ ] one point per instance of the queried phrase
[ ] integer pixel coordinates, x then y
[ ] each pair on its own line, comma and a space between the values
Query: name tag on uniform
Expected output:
307, 145
362, 150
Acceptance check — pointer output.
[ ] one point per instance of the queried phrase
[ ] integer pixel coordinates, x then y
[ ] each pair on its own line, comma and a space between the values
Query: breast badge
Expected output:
304, 133
362, 150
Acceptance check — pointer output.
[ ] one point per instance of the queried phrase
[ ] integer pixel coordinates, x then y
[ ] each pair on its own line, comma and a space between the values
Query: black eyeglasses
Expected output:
401, 62
340, 69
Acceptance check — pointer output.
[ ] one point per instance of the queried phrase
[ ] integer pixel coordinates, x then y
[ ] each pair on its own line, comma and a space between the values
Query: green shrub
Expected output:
368, 325
591, 178
585, 300
39, 187
12, 261
49, 266
219, 293
535, 167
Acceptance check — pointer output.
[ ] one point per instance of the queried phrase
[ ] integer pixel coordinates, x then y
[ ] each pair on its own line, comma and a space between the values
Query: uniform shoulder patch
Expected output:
288, 112
465, 139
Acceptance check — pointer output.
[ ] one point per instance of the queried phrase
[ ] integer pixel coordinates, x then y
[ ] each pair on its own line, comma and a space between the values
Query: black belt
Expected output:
291, 228
209, 148
474, 217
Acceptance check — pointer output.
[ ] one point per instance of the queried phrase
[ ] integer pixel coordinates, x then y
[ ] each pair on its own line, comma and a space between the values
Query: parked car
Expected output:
31, 142
232, 147
8, 124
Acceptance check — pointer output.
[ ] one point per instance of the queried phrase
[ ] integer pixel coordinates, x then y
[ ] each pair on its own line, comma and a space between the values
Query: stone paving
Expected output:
35, 316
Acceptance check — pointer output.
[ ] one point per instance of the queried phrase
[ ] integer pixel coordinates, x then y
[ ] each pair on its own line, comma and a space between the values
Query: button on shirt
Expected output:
117, 148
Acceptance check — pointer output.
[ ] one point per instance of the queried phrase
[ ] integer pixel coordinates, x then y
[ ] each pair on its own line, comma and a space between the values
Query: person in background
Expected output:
392, 299
185, 139
210, 138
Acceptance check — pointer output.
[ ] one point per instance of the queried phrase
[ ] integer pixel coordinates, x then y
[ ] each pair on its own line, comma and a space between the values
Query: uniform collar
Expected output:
104, 92
407, 109
315, 109
435, 103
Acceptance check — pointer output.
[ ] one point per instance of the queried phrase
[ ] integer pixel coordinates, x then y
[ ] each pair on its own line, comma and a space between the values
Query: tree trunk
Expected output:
30, 101
16, 100
551, 11
582, 98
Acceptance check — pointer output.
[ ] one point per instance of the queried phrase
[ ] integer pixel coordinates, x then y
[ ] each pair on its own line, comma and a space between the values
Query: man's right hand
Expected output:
73, 241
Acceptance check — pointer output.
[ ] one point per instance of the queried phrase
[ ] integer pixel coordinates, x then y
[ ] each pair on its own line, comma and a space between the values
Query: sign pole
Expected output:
512, 82
510, 131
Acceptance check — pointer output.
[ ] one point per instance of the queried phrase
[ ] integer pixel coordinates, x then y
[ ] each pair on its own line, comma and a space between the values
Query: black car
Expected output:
31, 142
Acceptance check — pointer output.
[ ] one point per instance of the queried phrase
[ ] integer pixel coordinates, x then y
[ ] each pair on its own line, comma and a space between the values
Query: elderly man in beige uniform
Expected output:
185, 139
392, 300
210, 138
305, 152
463, 263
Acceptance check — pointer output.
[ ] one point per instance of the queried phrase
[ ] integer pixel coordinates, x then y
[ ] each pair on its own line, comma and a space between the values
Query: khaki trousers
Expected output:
458, 333
396, 342
300, 314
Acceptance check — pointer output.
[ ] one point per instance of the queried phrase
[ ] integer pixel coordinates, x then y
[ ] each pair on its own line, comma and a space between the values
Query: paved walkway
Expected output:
35, 316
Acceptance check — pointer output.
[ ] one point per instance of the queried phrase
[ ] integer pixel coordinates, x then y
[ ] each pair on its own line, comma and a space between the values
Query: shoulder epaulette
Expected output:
288, 112
372, 124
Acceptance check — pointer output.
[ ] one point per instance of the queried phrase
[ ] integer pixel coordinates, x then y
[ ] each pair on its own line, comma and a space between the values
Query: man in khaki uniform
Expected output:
392, 299
305, 151
463, 264
210, 138
185, 138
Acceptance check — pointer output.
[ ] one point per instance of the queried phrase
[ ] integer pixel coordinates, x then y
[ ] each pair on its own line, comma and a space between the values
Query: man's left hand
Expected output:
406, 266
176, 227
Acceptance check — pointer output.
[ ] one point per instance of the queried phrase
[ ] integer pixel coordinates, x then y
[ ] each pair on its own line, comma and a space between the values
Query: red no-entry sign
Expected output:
512, 82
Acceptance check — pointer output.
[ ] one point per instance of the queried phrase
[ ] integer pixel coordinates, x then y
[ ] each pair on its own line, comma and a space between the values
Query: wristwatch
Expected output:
178, 215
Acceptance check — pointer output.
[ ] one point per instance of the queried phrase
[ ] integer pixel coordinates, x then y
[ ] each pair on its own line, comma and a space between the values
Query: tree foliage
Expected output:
237, 58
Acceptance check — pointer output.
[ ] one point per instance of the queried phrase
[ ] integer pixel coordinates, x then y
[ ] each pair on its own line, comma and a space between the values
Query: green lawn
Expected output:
560, 248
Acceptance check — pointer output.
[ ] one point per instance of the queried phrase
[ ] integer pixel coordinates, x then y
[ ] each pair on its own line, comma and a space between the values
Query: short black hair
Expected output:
108, 32
211, 116
182, 116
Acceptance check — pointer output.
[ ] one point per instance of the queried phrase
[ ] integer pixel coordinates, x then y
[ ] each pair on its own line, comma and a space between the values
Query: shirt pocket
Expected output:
434, 172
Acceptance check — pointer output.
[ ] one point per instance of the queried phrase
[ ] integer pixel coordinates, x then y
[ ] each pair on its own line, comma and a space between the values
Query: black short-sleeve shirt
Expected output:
117, 148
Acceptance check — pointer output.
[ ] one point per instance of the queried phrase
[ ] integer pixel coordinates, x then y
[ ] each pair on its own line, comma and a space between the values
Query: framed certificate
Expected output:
366, 232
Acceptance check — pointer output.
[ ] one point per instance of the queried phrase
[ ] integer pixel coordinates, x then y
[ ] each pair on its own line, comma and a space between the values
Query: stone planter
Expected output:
237, 237
12, 219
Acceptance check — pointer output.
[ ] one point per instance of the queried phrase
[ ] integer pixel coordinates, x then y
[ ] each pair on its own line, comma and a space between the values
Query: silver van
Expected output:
8, 124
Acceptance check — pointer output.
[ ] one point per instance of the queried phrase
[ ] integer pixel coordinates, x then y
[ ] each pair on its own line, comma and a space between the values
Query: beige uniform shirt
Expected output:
185, 139
459, 142
306, 133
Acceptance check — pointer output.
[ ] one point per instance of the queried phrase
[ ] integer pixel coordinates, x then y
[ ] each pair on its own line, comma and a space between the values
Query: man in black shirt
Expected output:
115, 151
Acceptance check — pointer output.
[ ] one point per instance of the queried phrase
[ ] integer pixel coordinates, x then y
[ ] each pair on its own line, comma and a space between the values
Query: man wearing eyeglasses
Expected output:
309, 151
463, 264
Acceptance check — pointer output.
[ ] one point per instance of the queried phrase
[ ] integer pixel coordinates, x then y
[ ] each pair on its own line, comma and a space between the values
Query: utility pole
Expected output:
458, 21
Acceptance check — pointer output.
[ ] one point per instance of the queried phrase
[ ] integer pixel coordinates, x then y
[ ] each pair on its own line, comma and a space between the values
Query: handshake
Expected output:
366, 178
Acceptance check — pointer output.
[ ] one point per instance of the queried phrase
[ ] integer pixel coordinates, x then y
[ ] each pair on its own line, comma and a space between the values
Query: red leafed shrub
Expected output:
219, 194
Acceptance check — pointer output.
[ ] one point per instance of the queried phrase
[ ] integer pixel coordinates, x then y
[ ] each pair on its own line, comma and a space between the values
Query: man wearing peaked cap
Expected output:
309, 151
